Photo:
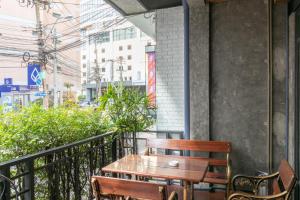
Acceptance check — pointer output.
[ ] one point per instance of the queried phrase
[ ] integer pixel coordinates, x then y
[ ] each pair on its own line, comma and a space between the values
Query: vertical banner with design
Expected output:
151, 78
34, 74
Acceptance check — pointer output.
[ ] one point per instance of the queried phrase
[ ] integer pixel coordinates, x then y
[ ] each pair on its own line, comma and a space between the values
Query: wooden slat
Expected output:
286, 174
133, 189
191, 145
211, 161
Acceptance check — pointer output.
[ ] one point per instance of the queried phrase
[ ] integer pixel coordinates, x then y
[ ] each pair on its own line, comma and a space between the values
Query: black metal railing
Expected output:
64, 172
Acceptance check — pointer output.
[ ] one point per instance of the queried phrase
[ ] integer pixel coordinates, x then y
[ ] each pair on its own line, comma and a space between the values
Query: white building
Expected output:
119, 45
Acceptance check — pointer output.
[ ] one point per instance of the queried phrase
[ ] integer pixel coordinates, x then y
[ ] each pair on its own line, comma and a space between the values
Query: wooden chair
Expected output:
222, 147
128, 189
282, 181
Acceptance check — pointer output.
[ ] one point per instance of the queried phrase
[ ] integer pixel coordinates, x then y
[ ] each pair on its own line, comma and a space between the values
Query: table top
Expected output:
157, 166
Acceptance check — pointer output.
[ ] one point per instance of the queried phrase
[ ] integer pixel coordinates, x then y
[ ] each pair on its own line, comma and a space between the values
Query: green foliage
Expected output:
81, 98
127, 110
32, 129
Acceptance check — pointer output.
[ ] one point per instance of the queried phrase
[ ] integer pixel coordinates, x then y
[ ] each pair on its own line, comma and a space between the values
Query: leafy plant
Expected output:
126, 109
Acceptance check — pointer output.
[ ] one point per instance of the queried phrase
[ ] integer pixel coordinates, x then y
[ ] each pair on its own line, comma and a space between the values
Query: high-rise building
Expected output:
113, 49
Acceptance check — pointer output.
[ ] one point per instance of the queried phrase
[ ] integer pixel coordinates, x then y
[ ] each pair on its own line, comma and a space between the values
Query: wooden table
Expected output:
189, 170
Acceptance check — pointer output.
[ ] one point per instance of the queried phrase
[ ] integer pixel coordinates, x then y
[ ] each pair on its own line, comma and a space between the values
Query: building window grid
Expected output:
125, 33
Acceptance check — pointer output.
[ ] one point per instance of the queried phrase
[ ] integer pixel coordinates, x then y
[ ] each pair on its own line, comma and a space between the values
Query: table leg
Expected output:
185, 190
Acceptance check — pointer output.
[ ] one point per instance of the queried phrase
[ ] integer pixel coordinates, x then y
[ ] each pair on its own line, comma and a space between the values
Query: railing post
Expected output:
29, 180
114, 150
6, 172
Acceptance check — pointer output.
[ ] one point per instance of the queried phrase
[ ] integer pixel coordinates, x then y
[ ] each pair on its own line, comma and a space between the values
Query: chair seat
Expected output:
215, 178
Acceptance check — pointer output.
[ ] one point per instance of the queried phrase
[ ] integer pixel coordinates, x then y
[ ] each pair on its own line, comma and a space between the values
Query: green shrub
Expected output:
32, 129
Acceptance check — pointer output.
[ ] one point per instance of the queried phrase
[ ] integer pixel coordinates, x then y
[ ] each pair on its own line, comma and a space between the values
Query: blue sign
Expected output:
34, 74
5, 88
8, 81
40, 94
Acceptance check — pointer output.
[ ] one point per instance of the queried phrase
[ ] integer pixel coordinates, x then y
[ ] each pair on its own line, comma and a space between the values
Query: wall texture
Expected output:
169, 62
229, 78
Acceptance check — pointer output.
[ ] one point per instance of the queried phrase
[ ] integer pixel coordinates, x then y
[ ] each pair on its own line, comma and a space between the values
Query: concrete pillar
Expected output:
199, 70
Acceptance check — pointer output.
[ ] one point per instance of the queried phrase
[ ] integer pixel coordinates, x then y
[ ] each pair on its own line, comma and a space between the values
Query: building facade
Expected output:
113, 51
20, 48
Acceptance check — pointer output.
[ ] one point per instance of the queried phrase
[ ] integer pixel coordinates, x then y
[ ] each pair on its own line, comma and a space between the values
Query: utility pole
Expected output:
41, 47
121, 69
97, 72
55, 99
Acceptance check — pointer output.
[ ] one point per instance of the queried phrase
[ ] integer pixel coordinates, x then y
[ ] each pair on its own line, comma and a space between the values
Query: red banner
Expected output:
152, 78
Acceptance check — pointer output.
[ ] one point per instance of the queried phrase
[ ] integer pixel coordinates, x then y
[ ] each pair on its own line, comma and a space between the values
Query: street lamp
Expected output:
55, 41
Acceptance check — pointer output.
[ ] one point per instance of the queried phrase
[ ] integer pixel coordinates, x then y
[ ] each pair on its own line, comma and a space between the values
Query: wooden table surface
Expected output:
190, 170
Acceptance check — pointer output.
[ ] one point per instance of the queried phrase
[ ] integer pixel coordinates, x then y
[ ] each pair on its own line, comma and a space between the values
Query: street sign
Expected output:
40, 94
8, 81
34, 76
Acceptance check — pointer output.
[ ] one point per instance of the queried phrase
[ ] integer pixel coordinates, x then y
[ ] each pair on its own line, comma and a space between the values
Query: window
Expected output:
121, 68
125, 78
129, 47
120, 48
120, 58
95, 60
129, 57
84, 66
125, 33
102, 37
84, 74
103, 60
129, 67
103, 69
130, 78
84, 57
102, 50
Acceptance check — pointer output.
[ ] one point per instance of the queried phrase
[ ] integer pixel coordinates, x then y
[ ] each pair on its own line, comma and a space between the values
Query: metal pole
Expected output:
186, 70
270, 84
40, 47
55, 99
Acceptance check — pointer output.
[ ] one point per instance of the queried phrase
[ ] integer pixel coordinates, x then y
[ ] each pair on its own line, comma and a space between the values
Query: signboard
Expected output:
40, 94
151, 88
8, 81
34, 74
5, 88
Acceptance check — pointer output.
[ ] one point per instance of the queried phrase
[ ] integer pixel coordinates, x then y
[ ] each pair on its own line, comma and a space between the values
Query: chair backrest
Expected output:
190, 145
286, 179
103, 186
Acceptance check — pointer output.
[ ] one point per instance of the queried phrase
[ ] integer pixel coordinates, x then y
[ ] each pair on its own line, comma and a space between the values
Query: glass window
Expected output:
84, 74
130, 78
125, 33
102, 37
84, 57
129, 67
120, 48
103, 69
103, 60
129, 47
84, 66
103, 50
129, 57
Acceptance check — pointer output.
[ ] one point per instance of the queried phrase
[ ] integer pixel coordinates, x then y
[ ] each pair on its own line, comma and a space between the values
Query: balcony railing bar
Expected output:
52, 151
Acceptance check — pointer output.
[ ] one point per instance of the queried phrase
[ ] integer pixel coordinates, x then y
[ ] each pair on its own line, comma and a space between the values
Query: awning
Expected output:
134, 7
